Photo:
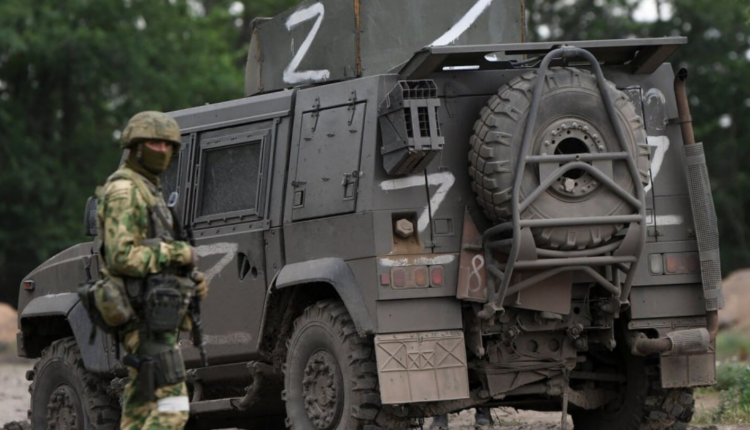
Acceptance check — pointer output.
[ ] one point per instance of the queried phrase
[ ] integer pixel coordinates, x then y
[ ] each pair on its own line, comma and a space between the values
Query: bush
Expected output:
729, 376
734, 406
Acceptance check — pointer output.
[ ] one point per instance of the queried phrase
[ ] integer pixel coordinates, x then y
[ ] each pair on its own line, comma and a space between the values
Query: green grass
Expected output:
729, 376
734, 404
732, 382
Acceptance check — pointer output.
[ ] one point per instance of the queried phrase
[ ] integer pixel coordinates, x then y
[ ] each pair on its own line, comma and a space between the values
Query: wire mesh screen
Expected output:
706, 226
229, 180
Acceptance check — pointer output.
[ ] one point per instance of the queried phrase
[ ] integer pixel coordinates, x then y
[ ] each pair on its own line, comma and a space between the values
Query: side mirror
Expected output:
89, 217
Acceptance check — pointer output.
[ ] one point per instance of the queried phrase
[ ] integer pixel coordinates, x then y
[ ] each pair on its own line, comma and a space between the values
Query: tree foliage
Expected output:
71, 73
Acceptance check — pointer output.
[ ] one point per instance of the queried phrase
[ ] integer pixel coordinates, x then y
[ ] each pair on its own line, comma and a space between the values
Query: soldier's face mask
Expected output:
155, 156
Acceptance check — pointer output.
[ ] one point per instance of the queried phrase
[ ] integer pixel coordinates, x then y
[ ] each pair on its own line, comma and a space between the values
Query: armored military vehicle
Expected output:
412, 212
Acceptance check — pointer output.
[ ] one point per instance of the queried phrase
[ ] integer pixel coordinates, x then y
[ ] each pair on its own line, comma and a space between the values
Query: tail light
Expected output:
399, 277
436, 276
385, 280
29, 285
674, 263
408, 277
685, 262
420, 277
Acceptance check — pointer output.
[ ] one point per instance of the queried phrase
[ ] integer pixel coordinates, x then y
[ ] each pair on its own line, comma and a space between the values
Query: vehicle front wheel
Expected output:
330, 375
64, 396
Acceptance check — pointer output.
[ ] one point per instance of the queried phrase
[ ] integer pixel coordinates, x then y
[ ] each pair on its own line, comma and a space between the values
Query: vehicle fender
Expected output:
336, 272
69, 307
49, 306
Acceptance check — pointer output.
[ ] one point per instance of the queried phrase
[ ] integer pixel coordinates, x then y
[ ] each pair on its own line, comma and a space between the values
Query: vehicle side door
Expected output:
228, 206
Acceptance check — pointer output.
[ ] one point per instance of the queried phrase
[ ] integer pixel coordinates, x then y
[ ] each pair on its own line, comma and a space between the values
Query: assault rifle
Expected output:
185, 233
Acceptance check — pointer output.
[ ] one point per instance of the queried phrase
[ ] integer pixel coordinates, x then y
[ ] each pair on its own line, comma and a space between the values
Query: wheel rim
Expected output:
63, 409
323, 391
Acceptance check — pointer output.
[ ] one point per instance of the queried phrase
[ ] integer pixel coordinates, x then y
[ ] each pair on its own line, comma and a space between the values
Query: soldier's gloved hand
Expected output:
201, 284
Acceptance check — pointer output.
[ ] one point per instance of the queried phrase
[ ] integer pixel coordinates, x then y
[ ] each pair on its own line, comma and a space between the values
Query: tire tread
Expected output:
102, 409
367, 408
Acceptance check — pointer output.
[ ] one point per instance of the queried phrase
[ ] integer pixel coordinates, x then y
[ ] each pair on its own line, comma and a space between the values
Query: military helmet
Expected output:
151, 125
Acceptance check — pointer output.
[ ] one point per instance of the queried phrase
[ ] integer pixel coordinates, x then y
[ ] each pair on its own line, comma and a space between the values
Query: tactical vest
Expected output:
161, 224
114, 301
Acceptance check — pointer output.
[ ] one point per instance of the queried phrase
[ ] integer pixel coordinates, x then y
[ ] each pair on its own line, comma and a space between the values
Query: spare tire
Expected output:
572, 119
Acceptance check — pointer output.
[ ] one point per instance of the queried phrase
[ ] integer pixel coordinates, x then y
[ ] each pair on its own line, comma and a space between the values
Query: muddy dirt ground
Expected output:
14, 401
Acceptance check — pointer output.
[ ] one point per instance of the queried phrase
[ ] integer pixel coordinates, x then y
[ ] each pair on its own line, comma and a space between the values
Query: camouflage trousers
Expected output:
170, 411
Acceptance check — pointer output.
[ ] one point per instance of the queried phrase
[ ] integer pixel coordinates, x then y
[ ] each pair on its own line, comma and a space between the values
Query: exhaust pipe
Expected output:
683, 107
693, 341
703, 208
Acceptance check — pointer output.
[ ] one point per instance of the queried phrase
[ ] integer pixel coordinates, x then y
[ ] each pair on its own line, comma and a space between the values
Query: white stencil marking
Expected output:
228, 249
237, 338
444, 181
666, 220
669, 220
660, 145
419, 261
463, 24
291, 74
476, 280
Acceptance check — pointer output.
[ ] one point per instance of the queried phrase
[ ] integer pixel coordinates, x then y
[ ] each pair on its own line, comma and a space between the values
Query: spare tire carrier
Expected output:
622, 258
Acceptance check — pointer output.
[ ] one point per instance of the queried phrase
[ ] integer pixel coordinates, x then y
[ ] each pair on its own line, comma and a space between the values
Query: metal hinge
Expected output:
315, 113
352, 106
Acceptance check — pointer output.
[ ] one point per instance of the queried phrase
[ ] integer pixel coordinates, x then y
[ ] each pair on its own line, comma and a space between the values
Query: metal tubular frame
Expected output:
556, 261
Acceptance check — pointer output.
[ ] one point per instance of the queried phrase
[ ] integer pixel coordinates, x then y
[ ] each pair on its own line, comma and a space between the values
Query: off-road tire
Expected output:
645, 405
570, 98
325, 333
672, 409
62, 385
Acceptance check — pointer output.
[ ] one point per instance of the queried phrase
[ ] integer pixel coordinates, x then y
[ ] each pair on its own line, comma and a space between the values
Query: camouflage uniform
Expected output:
133, 248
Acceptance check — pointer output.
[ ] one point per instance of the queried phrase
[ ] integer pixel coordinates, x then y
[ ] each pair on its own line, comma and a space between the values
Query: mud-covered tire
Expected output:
326, 355
670, 409
571, 119
63, 391
629, 413
645, 406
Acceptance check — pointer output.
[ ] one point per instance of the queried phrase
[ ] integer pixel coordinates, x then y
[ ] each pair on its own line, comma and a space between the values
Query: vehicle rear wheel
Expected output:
330, 375
64, 396
672, 409
643, 404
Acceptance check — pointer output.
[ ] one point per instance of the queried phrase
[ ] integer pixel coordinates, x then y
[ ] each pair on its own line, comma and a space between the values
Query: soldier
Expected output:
158, 274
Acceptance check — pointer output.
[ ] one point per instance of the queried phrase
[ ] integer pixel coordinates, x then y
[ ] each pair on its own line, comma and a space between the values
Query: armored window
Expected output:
229, 178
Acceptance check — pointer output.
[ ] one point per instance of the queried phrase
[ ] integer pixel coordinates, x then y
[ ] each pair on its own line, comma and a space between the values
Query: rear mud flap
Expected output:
421, 367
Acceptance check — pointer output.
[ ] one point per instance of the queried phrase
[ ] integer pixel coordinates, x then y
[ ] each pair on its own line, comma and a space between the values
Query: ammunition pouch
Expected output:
156, 371
163, 305
107, 303
170, 369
